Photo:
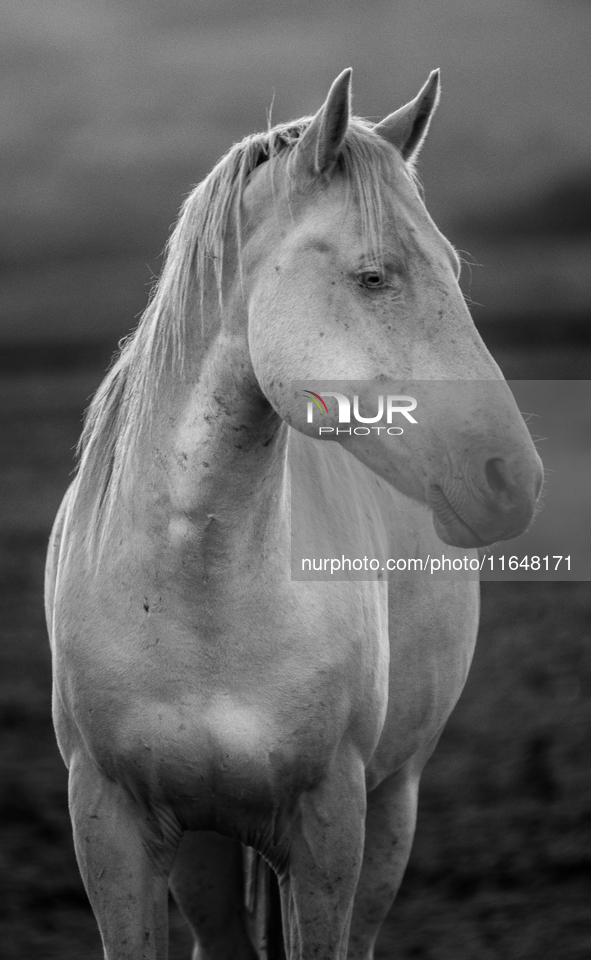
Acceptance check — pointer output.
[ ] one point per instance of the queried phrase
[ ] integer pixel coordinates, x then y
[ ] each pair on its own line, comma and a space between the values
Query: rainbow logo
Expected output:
317, 399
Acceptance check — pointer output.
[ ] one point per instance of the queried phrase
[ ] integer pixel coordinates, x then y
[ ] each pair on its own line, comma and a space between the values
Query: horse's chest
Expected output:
224, 755
237, 705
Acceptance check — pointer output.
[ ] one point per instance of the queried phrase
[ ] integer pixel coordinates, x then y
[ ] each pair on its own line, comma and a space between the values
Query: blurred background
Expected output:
110, 112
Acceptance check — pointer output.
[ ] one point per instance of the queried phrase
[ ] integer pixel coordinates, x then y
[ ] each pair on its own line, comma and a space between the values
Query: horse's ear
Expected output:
320, 145
407, 128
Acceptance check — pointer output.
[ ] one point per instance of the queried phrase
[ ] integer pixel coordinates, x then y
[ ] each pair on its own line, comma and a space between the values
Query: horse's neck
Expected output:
225, 453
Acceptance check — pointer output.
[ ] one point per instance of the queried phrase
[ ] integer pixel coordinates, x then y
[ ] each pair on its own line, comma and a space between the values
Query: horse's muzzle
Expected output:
497, 505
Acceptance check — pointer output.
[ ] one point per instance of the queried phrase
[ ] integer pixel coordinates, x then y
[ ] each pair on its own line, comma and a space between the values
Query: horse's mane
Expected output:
169, 331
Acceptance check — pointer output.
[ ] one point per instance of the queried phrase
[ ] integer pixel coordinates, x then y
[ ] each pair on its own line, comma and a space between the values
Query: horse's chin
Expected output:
456, 533
449, 526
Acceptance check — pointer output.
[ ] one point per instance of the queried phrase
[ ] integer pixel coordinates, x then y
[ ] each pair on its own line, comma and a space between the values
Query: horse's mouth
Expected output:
449, 526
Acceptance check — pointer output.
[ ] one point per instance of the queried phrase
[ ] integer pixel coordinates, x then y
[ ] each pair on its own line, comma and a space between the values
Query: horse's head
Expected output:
346, 277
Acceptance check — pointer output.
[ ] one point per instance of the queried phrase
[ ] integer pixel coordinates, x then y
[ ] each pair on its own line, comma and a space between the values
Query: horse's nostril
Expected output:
495, 476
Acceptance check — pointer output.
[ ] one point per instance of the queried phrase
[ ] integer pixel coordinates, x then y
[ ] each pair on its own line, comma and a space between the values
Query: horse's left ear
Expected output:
407, 128
320, 145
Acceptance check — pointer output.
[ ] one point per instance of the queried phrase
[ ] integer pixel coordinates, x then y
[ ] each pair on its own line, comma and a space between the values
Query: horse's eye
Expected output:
371, 279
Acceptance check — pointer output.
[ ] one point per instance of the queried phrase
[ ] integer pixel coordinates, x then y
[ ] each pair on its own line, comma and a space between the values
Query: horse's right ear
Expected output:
320, 145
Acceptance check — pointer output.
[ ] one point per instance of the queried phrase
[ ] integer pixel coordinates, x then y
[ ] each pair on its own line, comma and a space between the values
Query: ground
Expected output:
501, 865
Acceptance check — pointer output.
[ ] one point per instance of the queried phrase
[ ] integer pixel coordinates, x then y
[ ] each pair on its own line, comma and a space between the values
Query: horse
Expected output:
252, 742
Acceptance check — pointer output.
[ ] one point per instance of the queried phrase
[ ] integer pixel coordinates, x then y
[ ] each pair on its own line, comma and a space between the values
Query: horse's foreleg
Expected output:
125, 855
318, 886
208, 885
389, 832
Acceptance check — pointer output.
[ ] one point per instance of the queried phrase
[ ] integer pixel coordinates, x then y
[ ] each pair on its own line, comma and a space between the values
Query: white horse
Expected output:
204, 702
